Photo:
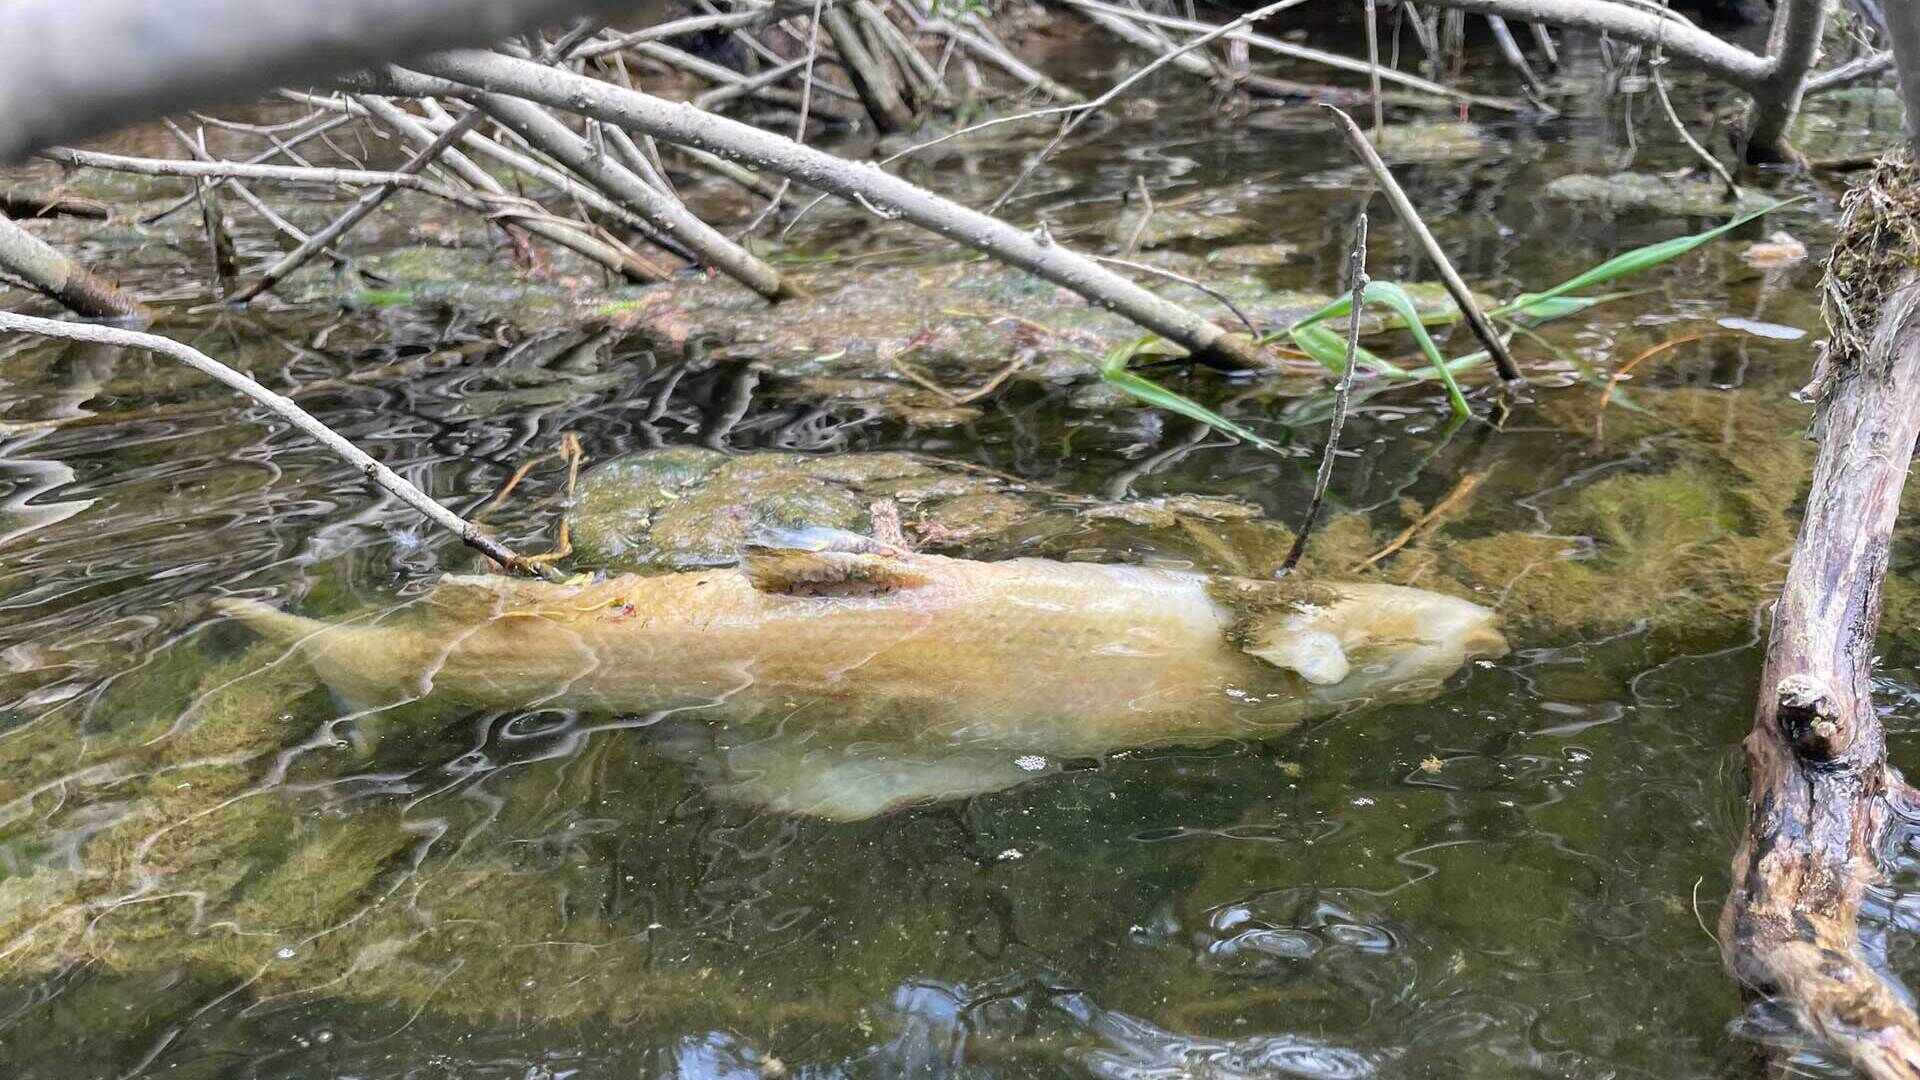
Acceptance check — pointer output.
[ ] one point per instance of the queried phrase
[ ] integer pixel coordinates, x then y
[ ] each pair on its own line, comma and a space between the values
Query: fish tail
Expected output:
268, 621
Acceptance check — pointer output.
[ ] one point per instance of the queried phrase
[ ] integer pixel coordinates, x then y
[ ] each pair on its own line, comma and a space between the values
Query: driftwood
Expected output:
1819, 782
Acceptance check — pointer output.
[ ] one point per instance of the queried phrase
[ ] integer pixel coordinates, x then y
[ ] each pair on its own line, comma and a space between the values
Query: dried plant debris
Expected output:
1878, 243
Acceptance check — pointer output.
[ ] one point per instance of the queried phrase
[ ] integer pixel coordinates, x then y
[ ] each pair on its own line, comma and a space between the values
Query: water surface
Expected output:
205, 872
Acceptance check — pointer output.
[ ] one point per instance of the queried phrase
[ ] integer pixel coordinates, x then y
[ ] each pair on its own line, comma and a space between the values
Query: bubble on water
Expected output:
1031, 762
287, 952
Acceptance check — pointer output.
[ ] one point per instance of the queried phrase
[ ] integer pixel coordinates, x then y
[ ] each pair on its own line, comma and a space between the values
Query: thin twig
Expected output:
227, 170
1403, 208
370, 201
1071, 115
199, 151
1343, 391
1673, 117
280, 406
779, 196
1146, 217
1510, 49
1434, 516
1625, 370
1301, 52
1158, 271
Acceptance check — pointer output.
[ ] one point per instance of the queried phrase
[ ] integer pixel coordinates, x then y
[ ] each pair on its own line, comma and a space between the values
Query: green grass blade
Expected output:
1642, 258
1396, 298
1114, 370
1329, 350
1535, 309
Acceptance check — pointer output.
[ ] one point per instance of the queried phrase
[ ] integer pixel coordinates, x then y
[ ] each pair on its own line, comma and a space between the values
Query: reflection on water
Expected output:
208, 867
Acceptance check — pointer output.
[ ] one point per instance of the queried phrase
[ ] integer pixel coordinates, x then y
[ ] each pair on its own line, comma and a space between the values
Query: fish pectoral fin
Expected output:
1315, 654
794, 572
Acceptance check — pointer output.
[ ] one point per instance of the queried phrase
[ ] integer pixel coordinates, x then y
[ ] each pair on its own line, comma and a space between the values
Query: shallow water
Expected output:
206, 871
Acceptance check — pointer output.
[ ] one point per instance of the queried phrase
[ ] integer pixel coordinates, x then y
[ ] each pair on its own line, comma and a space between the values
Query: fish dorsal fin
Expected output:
1316, 654
796, 572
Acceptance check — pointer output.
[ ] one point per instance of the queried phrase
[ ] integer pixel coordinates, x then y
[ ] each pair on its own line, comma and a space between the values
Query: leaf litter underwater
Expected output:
210, 866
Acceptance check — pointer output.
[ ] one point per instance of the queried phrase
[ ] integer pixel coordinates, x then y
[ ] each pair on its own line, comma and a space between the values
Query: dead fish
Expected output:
861, 680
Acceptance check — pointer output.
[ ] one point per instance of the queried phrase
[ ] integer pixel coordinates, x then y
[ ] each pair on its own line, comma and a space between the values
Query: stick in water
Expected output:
379, 474
1357, 270
1403, 209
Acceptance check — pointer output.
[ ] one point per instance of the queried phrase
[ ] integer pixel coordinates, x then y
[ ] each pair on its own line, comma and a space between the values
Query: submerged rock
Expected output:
685, 507
1171, 225
1699, 196
1778, 249
958, 324
1239, 256
1421, 141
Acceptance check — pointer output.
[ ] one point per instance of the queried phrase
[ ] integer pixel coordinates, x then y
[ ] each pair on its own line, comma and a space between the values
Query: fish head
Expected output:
1362, 641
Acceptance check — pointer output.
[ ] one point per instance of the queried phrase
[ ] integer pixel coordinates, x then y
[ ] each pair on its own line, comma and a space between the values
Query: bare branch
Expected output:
284, 408
1343, 391
33, 261
1853, 71
226, 170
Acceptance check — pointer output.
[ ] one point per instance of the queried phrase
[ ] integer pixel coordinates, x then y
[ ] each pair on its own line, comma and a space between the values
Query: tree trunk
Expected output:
1792, 46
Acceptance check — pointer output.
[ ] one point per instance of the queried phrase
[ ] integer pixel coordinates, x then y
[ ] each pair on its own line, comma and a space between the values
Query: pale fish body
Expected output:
959, 669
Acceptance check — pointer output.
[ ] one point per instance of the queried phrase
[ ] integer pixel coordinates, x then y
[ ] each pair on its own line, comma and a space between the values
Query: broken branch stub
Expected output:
34, 261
